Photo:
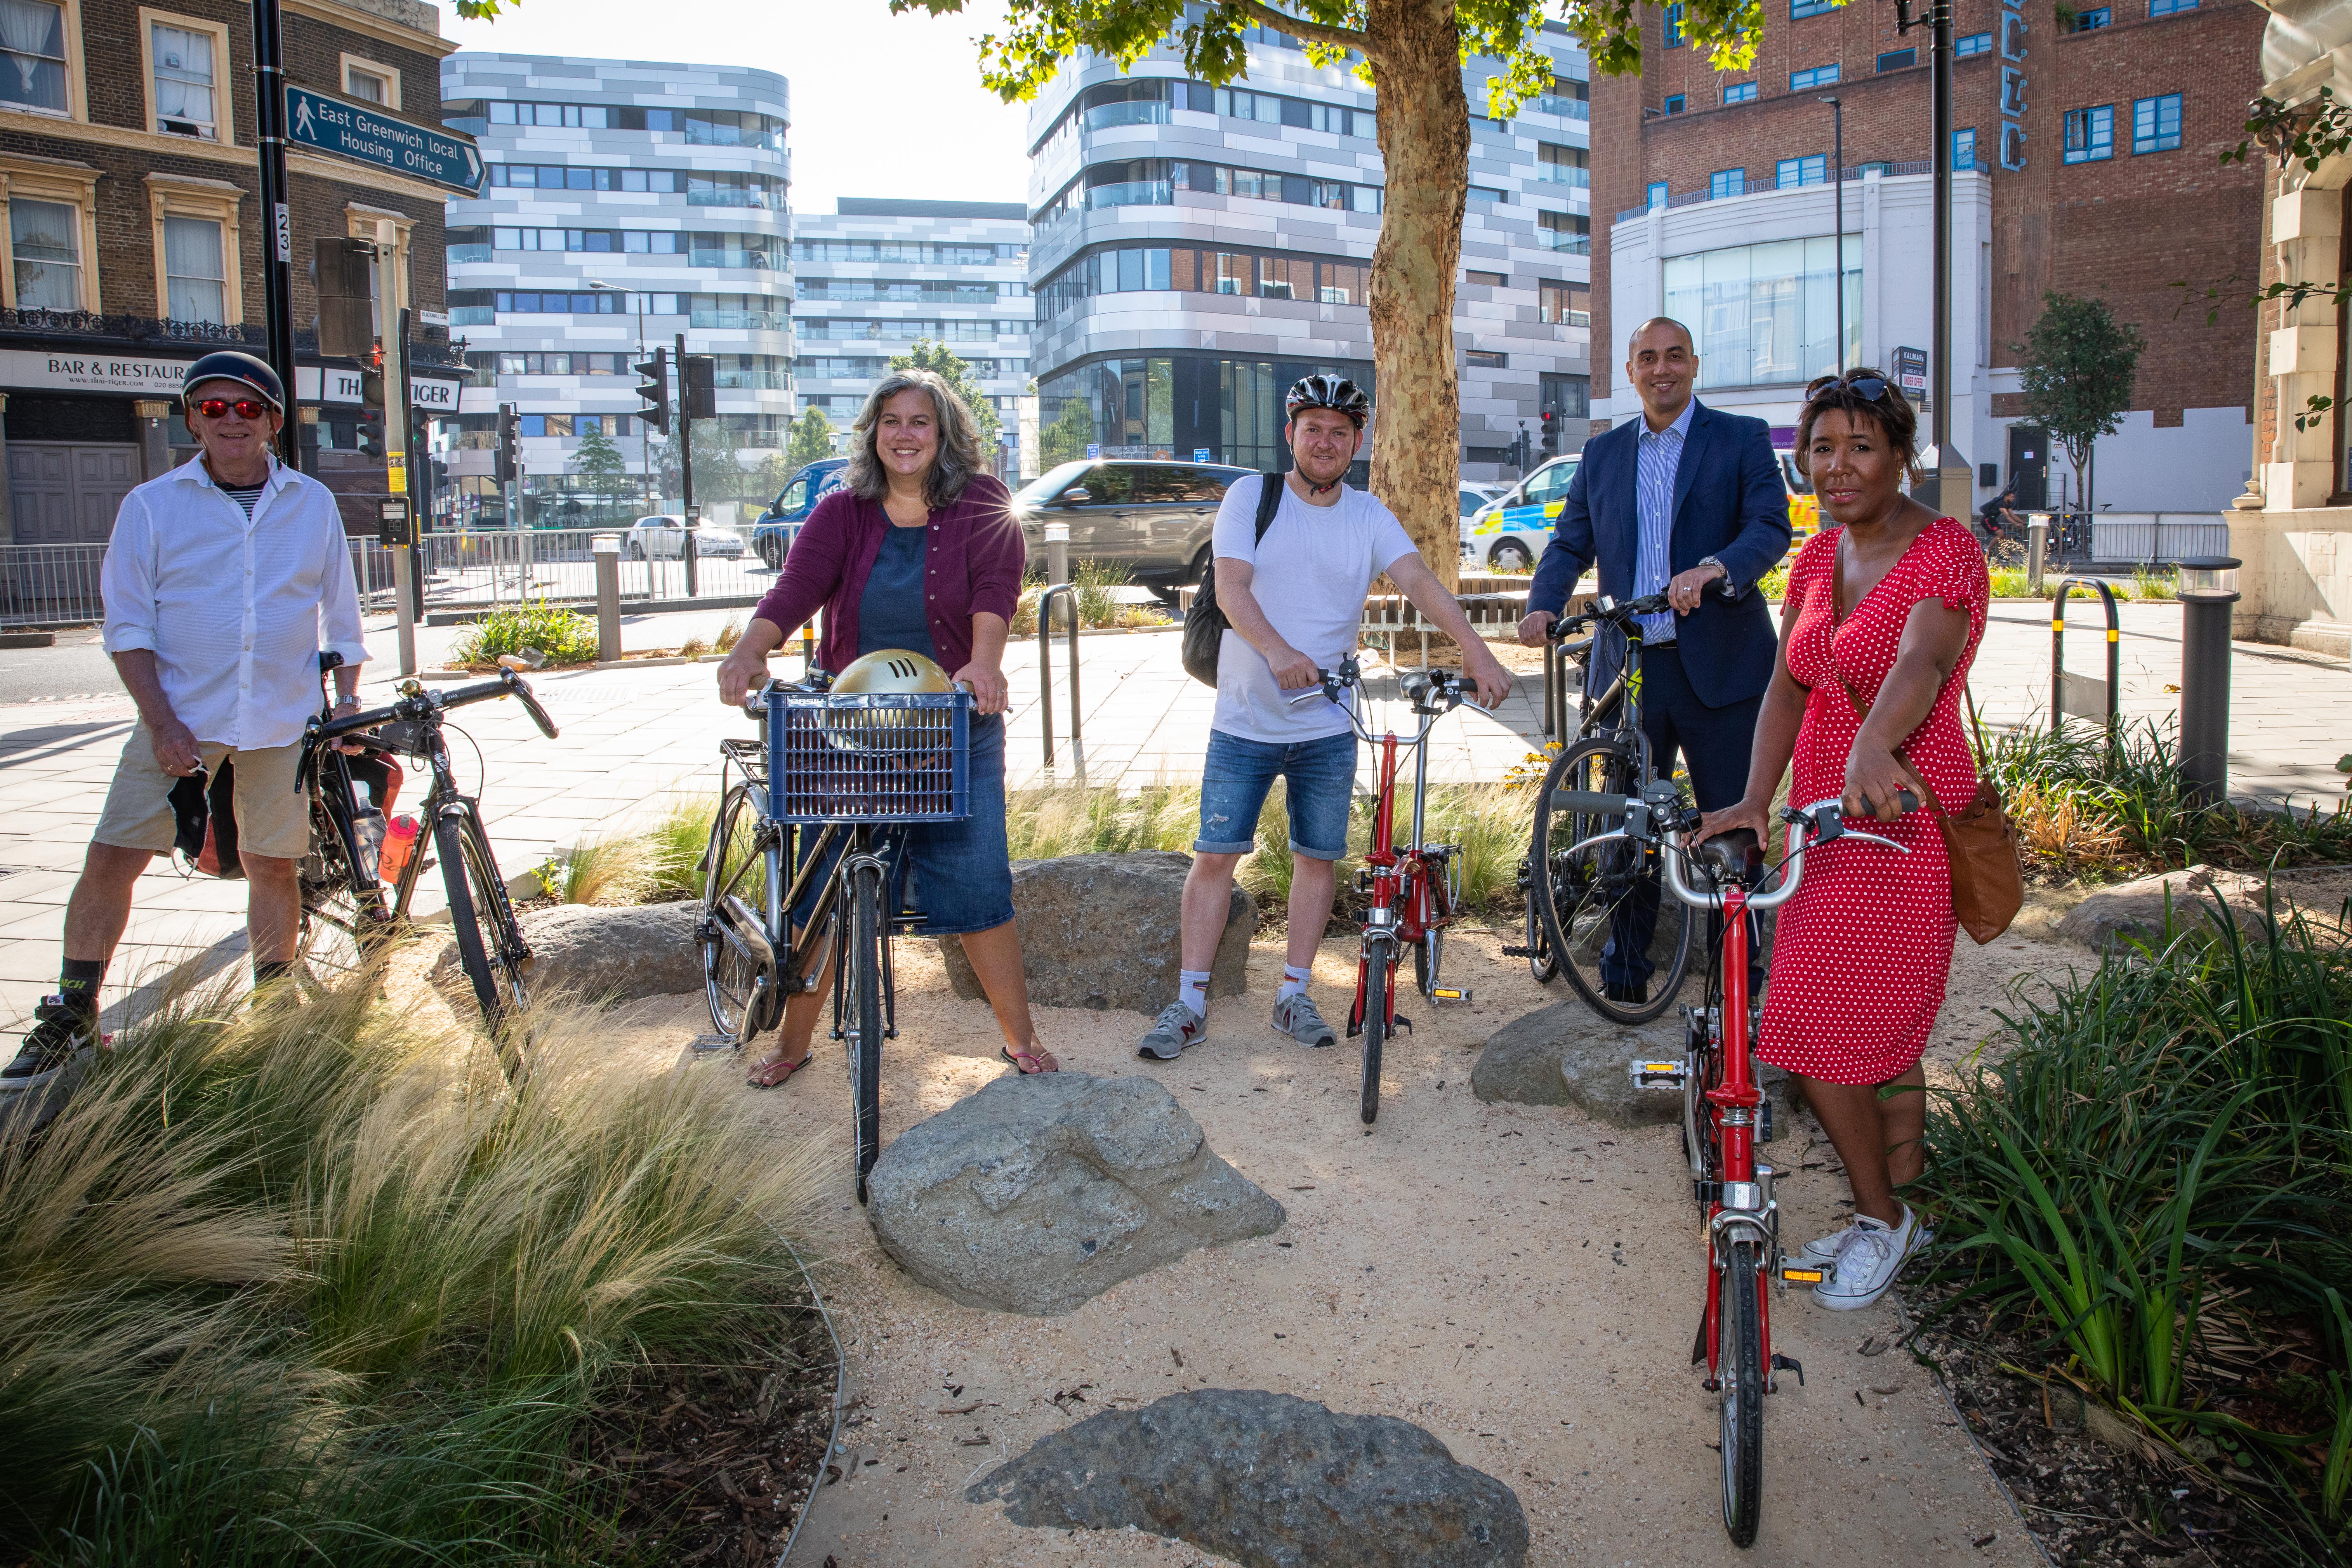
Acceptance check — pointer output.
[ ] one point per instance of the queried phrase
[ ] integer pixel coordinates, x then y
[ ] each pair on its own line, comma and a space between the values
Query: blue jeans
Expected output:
1319, 784
962, 871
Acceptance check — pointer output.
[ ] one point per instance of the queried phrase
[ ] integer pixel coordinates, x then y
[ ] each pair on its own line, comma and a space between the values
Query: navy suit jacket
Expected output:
1730, 502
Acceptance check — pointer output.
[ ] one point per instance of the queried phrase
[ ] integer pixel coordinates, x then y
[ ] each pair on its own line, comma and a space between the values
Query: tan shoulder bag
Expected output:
1987, 885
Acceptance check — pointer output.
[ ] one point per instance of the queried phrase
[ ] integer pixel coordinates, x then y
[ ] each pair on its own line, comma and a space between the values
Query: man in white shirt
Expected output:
223, 582
1317, 560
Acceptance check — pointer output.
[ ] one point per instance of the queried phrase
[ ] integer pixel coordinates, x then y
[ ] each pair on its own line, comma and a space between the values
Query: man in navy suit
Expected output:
1688, 502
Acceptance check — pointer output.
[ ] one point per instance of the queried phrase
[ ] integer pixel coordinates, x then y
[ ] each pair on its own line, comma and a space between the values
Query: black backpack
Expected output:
1205, 624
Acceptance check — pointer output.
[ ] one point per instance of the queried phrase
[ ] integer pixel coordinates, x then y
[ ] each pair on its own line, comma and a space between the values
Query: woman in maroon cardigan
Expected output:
917, 550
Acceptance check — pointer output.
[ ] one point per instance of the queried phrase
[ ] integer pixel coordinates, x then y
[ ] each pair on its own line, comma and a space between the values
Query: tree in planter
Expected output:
948, 366
1411, 52
2076, 366
812, 439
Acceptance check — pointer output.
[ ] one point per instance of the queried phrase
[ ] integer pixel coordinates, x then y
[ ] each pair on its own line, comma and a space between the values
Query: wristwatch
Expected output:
1711, 561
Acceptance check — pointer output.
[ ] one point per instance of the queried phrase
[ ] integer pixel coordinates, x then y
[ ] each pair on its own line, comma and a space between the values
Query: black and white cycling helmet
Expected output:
1325, 390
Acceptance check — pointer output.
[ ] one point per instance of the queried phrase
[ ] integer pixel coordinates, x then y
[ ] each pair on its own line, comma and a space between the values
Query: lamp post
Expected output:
1947, 482
645, 441
1837, 188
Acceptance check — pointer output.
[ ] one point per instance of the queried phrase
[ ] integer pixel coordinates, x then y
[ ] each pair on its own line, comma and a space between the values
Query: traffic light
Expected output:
370, 431
346, 313
698, 386
1551, 434
508, 452
654, 391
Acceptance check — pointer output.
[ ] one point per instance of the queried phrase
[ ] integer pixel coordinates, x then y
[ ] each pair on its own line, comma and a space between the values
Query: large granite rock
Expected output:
2134, 911
1039, 1193
1270, 1480
604, 954
1565, 1054
1100, 932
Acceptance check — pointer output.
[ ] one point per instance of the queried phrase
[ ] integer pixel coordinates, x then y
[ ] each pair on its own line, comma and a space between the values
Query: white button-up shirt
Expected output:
237, 610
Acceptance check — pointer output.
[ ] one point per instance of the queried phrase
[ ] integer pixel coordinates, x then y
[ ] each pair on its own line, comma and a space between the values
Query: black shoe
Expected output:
58, 1032
1634, 992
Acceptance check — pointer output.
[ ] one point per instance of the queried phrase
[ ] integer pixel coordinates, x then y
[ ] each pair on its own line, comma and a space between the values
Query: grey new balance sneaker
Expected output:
1176, 1027
1296, 1017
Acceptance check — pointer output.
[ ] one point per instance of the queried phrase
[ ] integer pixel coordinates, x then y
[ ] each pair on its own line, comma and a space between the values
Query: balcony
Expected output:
1566, 243
469, 253
759, 259
752, 380
1146, 111
741, 321
1564, 174
1565, 108
725, 197
1131, 194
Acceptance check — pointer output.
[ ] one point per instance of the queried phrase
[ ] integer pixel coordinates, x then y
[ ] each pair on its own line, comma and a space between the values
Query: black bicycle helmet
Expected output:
1325, 390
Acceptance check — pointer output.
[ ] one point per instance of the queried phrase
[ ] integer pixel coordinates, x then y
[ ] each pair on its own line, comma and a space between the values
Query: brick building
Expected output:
134, 231
2087, 161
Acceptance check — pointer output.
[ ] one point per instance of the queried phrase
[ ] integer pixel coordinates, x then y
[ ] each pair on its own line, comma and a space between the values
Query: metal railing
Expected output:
491, 568
51, 584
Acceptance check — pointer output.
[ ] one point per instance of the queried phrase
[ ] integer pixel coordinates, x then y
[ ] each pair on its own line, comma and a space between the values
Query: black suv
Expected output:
1152, 518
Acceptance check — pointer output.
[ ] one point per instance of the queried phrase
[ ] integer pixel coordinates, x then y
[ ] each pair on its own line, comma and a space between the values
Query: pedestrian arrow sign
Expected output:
365, 134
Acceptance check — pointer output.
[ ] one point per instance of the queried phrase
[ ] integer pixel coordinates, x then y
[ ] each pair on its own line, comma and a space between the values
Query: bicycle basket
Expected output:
868, 756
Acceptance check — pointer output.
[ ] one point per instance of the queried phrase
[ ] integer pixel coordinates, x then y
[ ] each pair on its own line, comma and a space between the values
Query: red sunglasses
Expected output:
219, 407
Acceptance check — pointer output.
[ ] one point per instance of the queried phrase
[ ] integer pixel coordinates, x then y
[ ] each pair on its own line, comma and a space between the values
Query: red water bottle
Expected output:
399, 843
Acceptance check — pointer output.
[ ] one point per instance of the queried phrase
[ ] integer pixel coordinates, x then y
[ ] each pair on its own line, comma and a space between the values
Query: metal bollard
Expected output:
1058, 556
2037, 549
2208, 587
693, 556
606, 548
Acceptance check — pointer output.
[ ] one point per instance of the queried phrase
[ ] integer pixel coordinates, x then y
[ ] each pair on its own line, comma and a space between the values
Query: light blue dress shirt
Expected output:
1658, 454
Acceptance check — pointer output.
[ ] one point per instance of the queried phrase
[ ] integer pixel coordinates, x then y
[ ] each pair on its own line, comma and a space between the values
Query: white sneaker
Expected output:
1870, 1254
1823, 1249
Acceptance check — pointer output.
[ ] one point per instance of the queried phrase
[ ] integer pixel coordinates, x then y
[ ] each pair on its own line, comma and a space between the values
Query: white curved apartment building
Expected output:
1195, 249
628, 201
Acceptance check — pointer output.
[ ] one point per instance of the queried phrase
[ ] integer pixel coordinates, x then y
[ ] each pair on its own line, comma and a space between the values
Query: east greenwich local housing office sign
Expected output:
136, 375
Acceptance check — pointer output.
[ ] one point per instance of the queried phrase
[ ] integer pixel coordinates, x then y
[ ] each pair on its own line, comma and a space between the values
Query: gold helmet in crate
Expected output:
893, 669
885, 672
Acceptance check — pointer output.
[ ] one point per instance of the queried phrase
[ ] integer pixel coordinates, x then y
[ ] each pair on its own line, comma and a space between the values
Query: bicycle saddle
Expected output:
1733, 856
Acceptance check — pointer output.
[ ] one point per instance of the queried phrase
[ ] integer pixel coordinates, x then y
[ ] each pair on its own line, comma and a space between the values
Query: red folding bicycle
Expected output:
1725, 1114
1413, 890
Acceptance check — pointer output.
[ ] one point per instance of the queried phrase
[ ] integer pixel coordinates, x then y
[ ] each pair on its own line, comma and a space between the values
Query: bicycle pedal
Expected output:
1788, 1364
1802, 1274
1665, 1075
1510, 952
1449, 993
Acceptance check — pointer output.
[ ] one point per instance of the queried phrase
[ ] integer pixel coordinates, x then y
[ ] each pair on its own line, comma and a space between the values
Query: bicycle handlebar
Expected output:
425, 705
1820, 823
1607, 611
1419, 687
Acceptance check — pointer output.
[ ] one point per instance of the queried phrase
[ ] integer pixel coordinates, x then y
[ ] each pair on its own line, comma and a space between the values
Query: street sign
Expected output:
365, 134
1200, 454
1094, 448
1911, 374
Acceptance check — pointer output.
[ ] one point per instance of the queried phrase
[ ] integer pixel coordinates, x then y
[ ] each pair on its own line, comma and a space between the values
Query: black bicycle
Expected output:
1590, 887
822, 800
348, 909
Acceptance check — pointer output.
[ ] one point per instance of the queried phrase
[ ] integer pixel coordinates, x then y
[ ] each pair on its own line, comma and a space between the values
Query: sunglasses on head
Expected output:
219, 407
1869, 388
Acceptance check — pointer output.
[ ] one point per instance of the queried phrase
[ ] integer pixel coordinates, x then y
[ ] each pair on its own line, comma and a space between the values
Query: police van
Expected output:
1509, 534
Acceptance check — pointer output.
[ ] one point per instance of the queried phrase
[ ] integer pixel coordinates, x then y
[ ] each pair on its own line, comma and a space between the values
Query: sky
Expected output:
882, 105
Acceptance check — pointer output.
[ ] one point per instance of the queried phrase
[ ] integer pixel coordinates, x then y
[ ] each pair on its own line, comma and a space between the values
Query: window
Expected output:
2155, 123
1727, 182
2091, 21
1765, 314
1739, 92
1657, 194
33, 56
1675, 102
1971, 44
193, 272
1571, 232
2090, 134
1818, 75
1964, 149
371, 82
45, 247
1487, 359
1674, 19
1488, 279
1800, 9
2168, 7
1898, 60
1564, 304
183, 61
1563, 165
1795, 171
1488, 195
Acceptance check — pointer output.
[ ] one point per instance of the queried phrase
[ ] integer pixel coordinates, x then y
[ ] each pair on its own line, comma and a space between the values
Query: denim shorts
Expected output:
961, 872
1319, 784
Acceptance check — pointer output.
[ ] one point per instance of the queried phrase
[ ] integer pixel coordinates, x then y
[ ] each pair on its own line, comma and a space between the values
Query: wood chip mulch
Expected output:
717, 1460
2085, 1501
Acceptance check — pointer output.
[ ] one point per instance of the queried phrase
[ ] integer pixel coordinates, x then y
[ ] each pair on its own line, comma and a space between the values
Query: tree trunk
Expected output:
1424, 137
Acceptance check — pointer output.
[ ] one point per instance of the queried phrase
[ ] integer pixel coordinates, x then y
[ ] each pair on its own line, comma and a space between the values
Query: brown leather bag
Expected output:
1988, 884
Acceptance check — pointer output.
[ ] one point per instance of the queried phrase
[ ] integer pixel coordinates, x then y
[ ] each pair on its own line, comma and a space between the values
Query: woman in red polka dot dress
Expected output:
1884, 615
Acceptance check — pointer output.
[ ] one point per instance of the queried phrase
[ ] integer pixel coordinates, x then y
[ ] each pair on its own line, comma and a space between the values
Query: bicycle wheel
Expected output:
489, 946
1739, 1391
864, 985
1377, 956
340, 930
734, 892
1586, 897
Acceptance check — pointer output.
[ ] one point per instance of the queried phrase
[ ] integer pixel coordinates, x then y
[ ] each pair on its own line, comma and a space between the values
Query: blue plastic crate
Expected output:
870, 757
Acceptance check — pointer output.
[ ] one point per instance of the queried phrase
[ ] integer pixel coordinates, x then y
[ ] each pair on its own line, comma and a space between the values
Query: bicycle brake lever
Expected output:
1874, 839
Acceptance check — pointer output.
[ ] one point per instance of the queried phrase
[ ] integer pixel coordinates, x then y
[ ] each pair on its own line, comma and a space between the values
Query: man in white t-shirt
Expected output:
1295, 599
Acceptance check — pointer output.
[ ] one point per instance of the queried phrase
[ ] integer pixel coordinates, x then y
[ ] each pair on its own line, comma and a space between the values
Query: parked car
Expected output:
1508, 533
1152, 519
663, 537
773, 530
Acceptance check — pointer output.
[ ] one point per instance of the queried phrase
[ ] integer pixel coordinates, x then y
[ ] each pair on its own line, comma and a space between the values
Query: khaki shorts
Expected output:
273, 818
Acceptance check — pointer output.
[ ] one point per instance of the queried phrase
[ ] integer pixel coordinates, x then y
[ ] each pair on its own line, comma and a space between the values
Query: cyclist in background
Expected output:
917, 550
1884, 616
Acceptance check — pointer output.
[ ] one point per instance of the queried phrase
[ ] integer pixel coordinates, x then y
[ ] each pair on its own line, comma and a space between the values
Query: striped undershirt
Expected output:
245, 496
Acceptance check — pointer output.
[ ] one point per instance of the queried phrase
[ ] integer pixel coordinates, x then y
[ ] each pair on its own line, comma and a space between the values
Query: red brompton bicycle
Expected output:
1724, 1113
1413, 890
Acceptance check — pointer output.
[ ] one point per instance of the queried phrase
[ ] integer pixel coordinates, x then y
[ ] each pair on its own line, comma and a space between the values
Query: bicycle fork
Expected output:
1383, 936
